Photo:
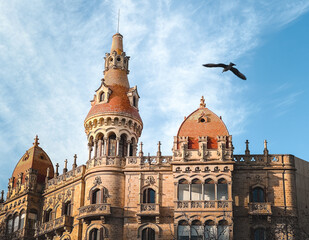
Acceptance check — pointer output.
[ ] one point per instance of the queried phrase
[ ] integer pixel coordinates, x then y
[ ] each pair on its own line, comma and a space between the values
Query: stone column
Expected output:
95, 148
74, 163
89, 149
128, 148
117, 146
105, 146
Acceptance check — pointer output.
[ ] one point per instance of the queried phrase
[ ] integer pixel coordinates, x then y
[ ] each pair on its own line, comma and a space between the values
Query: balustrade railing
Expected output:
261, 159
62, 222
216, 204
149, 160
260, 208
94, 210
149, 209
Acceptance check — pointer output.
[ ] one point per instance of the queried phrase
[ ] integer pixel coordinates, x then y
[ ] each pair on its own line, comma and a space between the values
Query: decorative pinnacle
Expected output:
247, 152
265, 148
57, 169
74, 163
202, 103
36, 141
159, 149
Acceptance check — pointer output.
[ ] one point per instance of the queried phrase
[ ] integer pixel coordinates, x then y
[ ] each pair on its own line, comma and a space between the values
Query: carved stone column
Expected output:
128, 148
89, 150
117, 146
95, 148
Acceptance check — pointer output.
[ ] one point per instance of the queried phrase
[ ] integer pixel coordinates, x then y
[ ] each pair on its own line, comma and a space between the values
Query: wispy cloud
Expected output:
52, 61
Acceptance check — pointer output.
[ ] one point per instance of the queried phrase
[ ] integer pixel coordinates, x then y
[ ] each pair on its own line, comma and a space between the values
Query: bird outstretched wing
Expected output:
238, 74
215, 65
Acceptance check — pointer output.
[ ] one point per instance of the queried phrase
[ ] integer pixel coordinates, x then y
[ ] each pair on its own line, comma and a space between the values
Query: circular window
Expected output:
111, 59
118, 59
203, 120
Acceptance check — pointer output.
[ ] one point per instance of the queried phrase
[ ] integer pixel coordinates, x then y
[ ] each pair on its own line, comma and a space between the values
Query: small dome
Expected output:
35, 158
202, 122
118, 103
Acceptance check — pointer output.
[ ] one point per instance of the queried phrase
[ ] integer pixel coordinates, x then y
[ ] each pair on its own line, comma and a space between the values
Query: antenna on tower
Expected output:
118, 20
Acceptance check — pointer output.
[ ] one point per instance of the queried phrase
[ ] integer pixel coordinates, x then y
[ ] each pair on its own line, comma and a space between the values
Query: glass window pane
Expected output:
222, 192
183, 193
10, 225
223, 232
16, 223
196, 191
22, 220
210, 232
197, 232
183, 232
209, 192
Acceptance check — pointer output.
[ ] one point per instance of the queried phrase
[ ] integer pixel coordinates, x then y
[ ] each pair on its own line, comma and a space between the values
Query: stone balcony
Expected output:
56, 226
260, 208
94, 211
148, 209
202, 205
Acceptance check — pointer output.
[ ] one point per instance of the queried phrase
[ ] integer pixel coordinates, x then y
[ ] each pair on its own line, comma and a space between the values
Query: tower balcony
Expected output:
94, 211
260, 208
148, 209
200, 205
56, 226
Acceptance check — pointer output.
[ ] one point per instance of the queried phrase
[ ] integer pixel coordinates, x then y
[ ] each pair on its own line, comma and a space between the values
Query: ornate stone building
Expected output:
202, 191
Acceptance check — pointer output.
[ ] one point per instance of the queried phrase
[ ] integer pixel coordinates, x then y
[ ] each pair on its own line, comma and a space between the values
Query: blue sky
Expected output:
52, 62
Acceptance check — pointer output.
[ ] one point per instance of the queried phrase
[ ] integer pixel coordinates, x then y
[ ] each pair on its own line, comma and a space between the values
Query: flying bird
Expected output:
227, 68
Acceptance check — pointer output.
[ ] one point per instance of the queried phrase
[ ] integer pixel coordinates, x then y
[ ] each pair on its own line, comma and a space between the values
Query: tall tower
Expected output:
113, 127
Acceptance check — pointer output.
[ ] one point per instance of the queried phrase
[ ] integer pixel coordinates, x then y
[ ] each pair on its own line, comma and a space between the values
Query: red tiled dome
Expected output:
35, 158
202, 122
118, 104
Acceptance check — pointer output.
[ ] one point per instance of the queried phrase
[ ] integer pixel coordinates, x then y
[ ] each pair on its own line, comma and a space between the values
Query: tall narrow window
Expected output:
209, 190
222, 190
148, 234
259, 234
10, 224
196, 189
149, 196
134, 101
48, 215
32, 218
16, 222
22, 220
183, 230
210, 230
123, 146
102, 97
197, 230
183, 190
258, 195
223, 230
132, 144
112, 145
67, 208
96, 196
94, 234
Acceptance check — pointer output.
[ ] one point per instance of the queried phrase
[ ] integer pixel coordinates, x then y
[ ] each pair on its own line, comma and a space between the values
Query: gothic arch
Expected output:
99, 227
65, 237
154, 226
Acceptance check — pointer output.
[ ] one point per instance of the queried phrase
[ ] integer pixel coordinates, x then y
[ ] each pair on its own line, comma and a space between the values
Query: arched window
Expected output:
22, 220
197, 230
259, 234
134, 101
222, 193
32, 218
10, 224
67, 209
96, 196
258, 195
210, 230
209, 190
123, 146
183, 190
148, 234
132, 144
223, 230
112, 143
196, 189
183, 230
149, 196
94, 234
48, 215
16, 222
102, 97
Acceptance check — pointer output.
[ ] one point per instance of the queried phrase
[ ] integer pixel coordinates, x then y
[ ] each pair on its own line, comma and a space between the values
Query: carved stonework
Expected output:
258, 178
97, 181
150, 180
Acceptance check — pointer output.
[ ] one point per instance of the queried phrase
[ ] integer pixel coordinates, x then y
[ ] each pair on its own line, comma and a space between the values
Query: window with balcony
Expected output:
67, 209
259, 234
148, 234
149, 196
48, 215
196, 189
112, 143
258, 195
209, 190
222, 193
123, 146
183, 190
98, 195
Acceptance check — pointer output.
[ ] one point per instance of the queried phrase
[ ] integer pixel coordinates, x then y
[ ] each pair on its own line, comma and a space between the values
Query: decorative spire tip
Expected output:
36, 141
202, 103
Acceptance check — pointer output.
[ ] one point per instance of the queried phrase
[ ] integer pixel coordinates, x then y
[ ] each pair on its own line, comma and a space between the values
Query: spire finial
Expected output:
202, 103
74, 163
159, 149
247, 152
118, 20
36, 141
265, 148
